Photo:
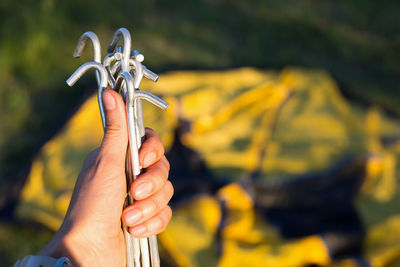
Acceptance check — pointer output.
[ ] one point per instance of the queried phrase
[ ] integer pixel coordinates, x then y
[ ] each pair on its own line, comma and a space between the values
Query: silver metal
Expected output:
152, 99
136, 251
149, 74
137, 55
139, 71
146, 72
133, 167
140, 130
127, 46
103, 83
96, 49
116, 56
138, 76
132, 99
155, 257
144, 249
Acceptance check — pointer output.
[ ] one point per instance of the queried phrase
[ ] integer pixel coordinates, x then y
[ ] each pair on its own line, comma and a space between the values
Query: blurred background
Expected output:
338, 62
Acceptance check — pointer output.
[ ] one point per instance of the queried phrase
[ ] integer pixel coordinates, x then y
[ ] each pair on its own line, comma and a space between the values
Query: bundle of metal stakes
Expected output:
122, 70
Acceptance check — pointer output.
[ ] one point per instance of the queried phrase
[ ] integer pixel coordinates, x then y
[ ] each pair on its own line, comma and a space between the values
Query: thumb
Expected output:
115, 140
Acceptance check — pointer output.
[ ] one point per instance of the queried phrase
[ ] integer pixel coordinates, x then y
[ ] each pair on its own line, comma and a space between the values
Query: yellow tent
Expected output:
298, 175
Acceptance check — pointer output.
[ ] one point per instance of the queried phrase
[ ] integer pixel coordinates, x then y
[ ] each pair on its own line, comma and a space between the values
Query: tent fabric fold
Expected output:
270, 168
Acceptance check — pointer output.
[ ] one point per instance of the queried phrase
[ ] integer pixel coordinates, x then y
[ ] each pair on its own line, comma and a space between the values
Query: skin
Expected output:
91, 234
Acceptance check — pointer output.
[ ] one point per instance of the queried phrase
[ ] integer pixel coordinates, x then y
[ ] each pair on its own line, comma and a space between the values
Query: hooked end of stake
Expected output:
79, 46
70, 82
113, 43
77, 52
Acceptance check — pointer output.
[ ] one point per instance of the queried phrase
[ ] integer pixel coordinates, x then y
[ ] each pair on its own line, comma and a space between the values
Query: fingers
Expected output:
153, 226
150, 212
115, 134
151, 150
152, 180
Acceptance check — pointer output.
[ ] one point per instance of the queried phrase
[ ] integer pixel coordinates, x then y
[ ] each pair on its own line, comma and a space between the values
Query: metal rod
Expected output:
138, 76
96, 49
103, 82
127, 46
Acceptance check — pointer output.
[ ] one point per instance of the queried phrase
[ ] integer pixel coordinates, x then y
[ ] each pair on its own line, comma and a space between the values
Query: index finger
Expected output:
152, 149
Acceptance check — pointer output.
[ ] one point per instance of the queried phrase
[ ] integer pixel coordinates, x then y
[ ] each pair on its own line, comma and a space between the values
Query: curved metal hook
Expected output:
146, 72
136, 60
149, 74
102, 85
133, 93
82, 43
138, 72
117, 55
96, 49
127, 46
155, 100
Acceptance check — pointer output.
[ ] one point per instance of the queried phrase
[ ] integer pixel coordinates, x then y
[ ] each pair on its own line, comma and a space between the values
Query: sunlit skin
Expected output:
91, 234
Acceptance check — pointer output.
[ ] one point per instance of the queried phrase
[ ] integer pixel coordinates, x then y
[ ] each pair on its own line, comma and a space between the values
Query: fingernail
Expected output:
108, 101
142, 190
136, 231
133, 216
149, 159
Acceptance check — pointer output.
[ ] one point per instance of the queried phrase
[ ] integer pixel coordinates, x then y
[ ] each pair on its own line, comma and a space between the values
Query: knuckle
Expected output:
149, 131
159, 225
164, 217
170, 190
161, 145
166, 162
164, 176
157, 146
154, 141
161, 199
155, 203
113, 130
160, 221
160, 176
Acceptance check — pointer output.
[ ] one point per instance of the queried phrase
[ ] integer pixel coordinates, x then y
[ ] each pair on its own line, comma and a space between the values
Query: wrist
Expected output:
57, 247
42, 261
66, 245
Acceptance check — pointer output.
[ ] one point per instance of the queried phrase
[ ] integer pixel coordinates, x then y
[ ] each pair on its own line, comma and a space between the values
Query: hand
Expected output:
91, 234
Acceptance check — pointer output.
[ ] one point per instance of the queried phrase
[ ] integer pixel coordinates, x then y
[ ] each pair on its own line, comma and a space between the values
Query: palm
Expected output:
101, 219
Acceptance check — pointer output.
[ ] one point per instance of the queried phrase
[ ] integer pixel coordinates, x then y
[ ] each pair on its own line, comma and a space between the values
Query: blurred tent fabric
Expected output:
270, 169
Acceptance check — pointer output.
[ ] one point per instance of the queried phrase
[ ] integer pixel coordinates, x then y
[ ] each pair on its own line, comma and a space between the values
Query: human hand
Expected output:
91, 234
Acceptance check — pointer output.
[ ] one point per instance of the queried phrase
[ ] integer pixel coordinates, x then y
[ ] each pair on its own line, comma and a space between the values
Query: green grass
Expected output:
19, 240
